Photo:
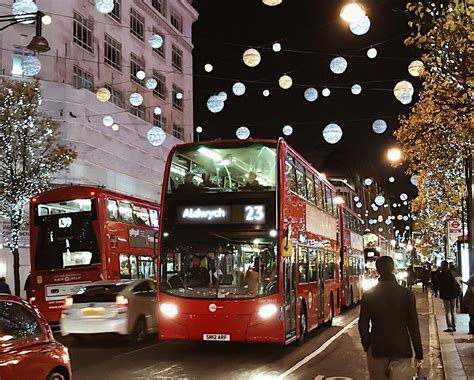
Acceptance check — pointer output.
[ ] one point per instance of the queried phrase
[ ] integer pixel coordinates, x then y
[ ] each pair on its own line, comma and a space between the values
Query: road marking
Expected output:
318, 351
138, 350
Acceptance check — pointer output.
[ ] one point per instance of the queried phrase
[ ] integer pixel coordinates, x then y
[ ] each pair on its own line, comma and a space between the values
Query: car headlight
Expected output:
266, 311
168, 309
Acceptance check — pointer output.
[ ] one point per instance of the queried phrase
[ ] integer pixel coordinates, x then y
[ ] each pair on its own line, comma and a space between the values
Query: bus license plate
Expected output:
91, 311
217, 337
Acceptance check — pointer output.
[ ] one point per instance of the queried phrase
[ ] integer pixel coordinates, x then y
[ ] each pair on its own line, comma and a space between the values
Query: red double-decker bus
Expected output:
352, 256
248, 246
80, 234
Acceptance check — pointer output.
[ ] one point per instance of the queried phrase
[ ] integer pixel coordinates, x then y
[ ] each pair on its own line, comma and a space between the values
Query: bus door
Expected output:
320, 287
289, 292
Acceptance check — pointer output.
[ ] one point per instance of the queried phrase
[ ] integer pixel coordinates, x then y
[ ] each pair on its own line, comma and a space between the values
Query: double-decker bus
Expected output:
81, 234
352, 256
248, 246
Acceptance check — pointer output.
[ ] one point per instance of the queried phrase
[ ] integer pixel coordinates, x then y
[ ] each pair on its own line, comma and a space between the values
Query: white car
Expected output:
124, 307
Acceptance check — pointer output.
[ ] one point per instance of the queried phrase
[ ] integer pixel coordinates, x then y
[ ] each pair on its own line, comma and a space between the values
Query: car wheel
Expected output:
140, 331
56, 375
303, 327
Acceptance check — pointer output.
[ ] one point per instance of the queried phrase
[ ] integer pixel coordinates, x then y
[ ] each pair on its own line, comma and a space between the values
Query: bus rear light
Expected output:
113, 241
266, 311
121, 301
169, 310
68, 301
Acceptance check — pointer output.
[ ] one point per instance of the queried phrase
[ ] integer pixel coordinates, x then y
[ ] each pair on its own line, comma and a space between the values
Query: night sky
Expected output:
311, 34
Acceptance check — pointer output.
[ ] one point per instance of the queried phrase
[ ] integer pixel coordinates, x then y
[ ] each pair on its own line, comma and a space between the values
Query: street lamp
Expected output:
198, 131
352, 12
394, 155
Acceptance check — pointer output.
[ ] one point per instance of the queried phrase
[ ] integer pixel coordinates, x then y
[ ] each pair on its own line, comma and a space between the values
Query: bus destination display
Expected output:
235, 214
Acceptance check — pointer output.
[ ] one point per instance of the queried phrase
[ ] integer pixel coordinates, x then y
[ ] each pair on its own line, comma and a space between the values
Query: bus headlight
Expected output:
168, 309
266, 311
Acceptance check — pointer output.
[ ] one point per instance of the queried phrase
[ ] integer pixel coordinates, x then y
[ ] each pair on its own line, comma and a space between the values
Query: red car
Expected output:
27, 346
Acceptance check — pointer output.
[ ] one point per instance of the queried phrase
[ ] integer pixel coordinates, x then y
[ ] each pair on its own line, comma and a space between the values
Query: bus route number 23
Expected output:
255, 213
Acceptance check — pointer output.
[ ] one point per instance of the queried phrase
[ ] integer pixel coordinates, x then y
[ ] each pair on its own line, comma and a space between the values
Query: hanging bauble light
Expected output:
356, 198
414, 180
399, 217
135, 99
115, 127
156, 136
287, 130
407, 228
30, 65
215, 104
379, 200
140, 74
405, 218
104, 6
380, 218
155, 41
379, 126
380, 229
285, 82
360, 27
391, 179
356, 89
222, 95
151, 83
311, 94
179, 95
374, 207
20, 7
359, 204
332, 133
403, 196
46, 20
416, 68
103, 94
198, 129
272, 3
326, 92
108, 121
406, 99
208, 68
251, 57
238, 89
372, 53
368, 181
266, 93
157, 111
242, 133
352, 12
338, 65
403, 88
276, 47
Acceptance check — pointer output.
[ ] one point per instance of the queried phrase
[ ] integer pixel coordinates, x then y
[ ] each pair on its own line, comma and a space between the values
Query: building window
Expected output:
113, 52
176, 20
160, 89
137, 24
160, 6
83, 79
178, 132
136, 64
139, 111
116, 96
159, 121
161, 50
19, 53
115, 14
83, 32
177, 103
177, 58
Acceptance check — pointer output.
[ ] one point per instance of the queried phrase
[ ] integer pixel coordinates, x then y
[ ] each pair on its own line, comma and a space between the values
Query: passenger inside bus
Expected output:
252, 183
252, 277
197, 275
206, 181
188, 185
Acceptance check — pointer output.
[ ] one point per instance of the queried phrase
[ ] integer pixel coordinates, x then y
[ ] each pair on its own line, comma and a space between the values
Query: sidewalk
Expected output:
457, 349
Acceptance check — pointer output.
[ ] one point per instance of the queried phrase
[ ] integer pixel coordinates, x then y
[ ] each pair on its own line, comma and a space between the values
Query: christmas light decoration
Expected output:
140, 74
287, 130
379, 200
199, 129
135, 99
157, 111
156, 136
285, 82
155, 41
115, 127
360, 27
272, 3
372, 53
416, 68
21, 7
352, 12
46, 20
238, 89
179, 95
391, 179
403, 88
215, 104
251, 57
379, 126
151, 83
208, 68
358, 204
265, 93
276, 47
338, 65
222, 95
326, 92
30, 65
368, 181
108, 121
103, 94
356, 89
332, 133
242, 133
104, 6
403, 196
414, 180
311, 94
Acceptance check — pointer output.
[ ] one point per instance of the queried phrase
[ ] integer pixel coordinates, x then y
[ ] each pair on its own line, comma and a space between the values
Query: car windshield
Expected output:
99, 293
223, 168
219, 269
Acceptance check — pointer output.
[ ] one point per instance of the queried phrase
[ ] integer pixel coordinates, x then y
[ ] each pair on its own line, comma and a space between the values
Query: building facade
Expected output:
91, 50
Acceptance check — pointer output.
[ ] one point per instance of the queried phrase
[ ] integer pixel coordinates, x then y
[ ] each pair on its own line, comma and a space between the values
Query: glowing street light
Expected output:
394, 155
352, 12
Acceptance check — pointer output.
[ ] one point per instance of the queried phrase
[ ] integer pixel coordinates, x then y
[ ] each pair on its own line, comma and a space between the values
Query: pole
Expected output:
468, 176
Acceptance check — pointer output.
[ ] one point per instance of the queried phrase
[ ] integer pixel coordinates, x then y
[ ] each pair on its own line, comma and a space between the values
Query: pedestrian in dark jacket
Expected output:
410, 277
468, 301
434, 281
4, 288
448, 291
390, 311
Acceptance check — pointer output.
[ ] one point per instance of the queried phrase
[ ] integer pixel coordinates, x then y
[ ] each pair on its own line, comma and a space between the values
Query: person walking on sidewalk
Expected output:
390, 311
448, 291
4, 288
468, 301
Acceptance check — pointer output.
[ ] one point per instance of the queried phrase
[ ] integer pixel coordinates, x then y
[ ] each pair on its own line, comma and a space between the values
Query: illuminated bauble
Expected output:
285, 82
266, 93
406, 99
379, 200
372, 53
368, 181
374, 207
135, 99
140, 74
287, 130
403, 88
276, 47
403, 196
157, 111
242, 133
380, 229
332, 133
222, 95
380, 219
352, 12
46, 20
399, 217
416, 68
115, 127
208, 68
356, 89
215, 104
155, 41
407, 228
272, 3
251, 57
356, 199
104, 6
391, 179
358, 204
151, 83
405, 203
30, 65
405, 218
108, 121
326, 92
360, 27
179, 95
20, 7
103, 94
414, 180
311, 94
338, 65
388, 221
199, 129
238, 89
156, 136
379, 126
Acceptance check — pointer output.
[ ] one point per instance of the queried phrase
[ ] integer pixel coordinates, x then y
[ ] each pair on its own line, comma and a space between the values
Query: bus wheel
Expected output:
303, 327
139, 332
331, 313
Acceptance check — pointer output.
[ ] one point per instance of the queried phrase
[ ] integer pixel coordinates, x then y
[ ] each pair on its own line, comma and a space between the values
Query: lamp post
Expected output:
394, 155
